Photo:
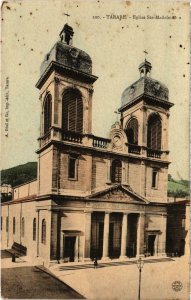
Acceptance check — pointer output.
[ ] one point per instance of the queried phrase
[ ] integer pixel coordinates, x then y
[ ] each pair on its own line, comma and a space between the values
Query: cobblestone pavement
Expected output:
21, 280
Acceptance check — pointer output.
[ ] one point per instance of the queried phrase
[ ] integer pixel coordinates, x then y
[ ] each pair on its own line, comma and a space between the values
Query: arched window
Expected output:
43, 234
34, 229
132, 131
14, 225
47, 113
116, 171
154, 132
23, 227
72, 111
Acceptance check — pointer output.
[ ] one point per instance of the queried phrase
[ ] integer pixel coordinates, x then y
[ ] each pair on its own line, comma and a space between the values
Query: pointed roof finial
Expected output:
67, 15
145, 51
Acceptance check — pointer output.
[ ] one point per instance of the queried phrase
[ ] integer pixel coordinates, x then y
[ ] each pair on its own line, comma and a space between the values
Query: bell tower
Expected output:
145, 113
145, 121
66, 89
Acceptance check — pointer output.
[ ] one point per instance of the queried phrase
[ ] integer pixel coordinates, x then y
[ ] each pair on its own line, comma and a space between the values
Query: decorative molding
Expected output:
57, 79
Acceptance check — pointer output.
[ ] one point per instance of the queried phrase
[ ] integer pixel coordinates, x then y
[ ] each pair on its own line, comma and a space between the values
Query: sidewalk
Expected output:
119, 280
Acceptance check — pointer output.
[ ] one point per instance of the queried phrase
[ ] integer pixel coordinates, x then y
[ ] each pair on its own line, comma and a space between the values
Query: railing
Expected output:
45, 138
154, 153
135, 149
71, 136
100, 142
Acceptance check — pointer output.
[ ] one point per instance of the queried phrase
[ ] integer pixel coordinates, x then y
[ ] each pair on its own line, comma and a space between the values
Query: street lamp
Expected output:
140, 264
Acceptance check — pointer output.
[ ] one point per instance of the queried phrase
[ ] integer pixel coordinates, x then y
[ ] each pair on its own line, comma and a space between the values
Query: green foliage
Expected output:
178, 188
19, 174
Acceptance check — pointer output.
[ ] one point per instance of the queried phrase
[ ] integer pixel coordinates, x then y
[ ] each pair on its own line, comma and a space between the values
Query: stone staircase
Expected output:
66, 267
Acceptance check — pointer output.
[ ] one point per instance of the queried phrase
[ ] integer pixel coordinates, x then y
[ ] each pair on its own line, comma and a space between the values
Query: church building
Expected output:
94, 196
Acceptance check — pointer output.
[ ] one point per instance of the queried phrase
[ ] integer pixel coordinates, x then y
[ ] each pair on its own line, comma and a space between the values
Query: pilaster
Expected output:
140, 234
124, 236
87, 235
106, 237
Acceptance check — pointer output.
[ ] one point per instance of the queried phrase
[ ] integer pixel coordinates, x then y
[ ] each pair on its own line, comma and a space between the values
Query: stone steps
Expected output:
110, 264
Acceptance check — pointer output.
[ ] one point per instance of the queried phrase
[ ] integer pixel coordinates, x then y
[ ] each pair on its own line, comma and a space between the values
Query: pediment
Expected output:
118, 194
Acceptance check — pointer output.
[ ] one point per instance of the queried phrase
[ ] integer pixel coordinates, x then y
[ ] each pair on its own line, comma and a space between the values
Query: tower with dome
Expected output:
94, 197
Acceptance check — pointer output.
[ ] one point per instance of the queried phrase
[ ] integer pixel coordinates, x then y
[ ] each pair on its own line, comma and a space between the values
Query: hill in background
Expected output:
178, 188
19, 174
27, 172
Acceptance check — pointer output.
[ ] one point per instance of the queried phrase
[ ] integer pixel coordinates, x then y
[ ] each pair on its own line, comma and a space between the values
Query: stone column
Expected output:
106, 237
163, 235
140, 234
81, 247
76, 254
124, 236
87, 235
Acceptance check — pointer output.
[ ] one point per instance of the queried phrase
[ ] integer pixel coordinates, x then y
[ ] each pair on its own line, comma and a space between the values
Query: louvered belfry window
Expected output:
132, 131
72, 111
154, 132
116, 171
47, 113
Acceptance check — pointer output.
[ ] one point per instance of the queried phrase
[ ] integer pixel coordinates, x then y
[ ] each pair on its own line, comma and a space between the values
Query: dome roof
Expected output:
69, 56
145, 86
64, 53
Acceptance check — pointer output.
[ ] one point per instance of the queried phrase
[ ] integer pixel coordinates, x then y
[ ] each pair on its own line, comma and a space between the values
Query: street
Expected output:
20, 280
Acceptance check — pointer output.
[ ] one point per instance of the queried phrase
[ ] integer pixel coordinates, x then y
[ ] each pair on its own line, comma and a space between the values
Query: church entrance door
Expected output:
151, 244
69, 248
115, 235
97, 229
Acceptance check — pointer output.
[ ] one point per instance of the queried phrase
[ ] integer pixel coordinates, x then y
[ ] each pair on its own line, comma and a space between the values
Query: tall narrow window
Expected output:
154, 132
154, 178
43, 233
47, 113
14, 225
7, 224
1, 223
72, 167
116, 171
72, 111
23, 227
132, 131
34, 229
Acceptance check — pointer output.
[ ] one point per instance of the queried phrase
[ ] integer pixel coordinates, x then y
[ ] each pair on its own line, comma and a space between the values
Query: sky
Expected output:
30, 29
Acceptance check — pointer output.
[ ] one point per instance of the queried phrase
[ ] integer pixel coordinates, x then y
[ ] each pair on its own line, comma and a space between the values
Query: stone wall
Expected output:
28, 211
25, 190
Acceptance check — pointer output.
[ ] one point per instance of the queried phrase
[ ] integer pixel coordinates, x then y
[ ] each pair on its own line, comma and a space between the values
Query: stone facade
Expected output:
94, 197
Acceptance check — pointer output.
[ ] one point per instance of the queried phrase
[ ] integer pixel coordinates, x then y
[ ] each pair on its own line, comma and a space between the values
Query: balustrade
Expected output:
154, 153
100, 142
71, 136
134, 149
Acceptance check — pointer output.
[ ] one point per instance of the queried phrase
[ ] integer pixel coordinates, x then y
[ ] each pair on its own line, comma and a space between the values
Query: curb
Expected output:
44, 269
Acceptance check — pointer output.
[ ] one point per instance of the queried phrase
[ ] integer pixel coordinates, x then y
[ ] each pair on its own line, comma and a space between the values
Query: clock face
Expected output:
117, 140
